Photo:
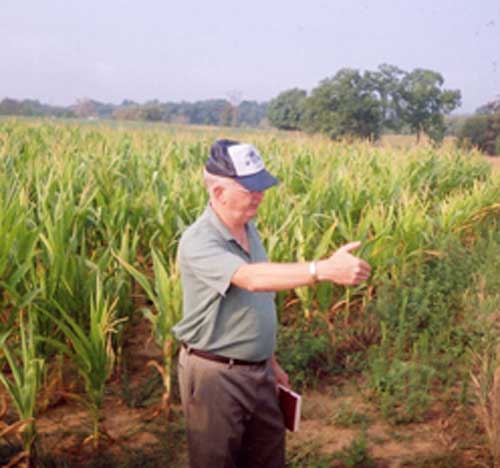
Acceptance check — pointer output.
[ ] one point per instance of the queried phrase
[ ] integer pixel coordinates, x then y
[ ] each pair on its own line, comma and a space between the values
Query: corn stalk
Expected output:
91, 351
24, 384
166, 295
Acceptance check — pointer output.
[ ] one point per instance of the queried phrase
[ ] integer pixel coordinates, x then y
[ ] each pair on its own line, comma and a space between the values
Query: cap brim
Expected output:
257, 182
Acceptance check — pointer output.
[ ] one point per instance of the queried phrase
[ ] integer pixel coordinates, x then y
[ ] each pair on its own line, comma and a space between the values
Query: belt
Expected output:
223, 359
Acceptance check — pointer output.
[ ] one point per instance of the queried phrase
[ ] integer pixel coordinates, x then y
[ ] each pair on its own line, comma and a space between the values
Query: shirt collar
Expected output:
222, 228
218, 224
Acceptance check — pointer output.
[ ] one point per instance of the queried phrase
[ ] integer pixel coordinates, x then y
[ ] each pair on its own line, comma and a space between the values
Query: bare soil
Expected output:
445, 438
494, 161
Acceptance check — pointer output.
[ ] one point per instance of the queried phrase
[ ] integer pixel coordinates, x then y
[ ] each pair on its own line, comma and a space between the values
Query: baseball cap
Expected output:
240, 162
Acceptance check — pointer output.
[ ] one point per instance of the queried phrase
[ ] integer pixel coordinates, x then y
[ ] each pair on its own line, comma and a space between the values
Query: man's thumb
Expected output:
350, 246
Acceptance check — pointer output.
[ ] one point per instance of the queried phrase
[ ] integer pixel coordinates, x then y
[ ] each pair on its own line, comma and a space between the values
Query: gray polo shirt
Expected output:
219, 317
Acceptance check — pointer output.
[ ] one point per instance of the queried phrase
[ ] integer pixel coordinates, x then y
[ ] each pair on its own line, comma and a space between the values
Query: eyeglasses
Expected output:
238, 188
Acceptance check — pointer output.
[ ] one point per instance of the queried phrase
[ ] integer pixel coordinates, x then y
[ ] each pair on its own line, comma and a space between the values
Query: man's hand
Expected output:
344, 268
281, 375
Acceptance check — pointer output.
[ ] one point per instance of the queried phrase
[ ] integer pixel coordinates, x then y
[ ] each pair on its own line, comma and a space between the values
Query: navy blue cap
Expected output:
240, 162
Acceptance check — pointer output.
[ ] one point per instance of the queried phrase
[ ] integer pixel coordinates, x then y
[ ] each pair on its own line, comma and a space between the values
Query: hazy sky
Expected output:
60, 50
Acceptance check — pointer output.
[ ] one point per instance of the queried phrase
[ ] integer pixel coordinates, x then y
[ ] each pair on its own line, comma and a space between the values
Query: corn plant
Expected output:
486, 383
26, 372
17, 249
166, 295
485, 372
90, 350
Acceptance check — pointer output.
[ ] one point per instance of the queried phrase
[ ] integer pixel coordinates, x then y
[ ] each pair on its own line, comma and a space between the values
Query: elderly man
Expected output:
227, 369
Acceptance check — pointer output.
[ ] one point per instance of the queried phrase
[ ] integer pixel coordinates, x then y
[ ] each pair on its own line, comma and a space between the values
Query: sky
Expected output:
59, 51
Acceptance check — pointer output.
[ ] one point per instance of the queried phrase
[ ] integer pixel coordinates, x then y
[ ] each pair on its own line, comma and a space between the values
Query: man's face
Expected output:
241, 203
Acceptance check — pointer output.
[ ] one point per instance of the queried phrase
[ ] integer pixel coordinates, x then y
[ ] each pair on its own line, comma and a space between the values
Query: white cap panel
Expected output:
246, 159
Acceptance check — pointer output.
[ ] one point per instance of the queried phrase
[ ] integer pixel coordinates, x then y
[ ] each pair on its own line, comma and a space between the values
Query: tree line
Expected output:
206, 112
355, 104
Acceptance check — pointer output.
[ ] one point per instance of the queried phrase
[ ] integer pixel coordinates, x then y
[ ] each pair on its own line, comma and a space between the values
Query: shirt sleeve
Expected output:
211, 262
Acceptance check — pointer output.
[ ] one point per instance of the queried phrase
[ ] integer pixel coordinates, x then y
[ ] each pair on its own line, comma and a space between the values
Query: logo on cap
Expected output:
252, 158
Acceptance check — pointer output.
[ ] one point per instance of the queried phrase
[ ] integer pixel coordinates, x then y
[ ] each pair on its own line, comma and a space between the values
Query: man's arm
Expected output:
341, 268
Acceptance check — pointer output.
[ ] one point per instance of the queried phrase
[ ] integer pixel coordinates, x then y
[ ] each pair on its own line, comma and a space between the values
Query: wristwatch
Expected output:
313, 270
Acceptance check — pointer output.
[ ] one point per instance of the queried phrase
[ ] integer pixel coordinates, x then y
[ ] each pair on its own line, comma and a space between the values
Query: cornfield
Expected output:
90, 218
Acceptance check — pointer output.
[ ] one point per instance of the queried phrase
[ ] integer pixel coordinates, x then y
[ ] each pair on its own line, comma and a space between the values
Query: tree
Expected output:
386, 84
285, 111
31, 107
207, 112
252, 113
127, 112
226, 117
482, 131
492, 107
423, 102
345, 105
10, 106
151, 112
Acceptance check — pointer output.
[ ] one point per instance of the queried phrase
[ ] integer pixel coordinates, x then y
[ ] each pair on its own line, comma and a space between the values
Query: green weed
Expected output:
356, 454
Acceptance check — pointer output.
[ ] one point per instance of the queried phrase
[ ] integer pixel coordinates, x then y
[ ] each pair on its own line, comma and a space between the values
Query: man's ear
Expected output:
218, 193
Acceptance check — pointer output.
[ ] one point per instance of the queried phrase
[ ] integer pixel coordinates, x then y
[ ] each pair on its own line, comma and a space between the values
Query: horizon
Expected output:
454, 113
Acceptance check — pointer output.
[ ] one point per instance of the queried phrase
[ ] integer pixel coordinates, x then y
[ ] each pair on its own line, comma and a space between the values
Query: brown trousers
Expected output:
232, 415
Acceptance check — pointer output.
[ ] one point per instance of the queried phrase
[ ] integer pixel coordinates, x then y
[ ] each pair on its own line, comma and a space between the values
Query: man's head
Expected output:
236, 178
